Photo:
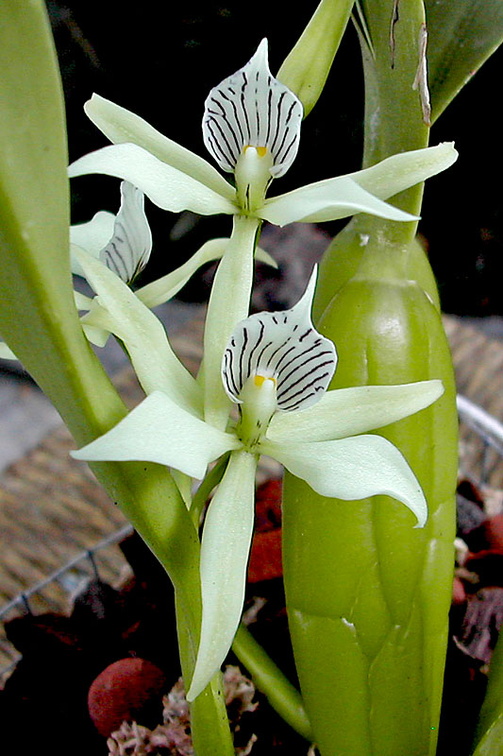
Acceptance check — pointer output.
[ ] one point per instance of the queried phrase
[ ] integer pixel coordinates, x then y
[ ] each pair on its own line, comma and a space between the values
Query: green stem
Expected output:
269, 679
202, 494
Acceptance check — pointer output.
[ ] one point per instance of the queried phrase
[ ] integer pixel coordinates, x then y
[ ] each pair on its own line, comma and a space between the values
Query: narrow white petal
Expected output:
225, 547
91, 237
229, 303
165, 288
399, 172
252, 108
353, 468
159, 291
327, 200
95, 335
121, 125
128, 250
82, 302
338, 198
6, 353
284, 346
119, 311
167, 187
350, 411
159, 430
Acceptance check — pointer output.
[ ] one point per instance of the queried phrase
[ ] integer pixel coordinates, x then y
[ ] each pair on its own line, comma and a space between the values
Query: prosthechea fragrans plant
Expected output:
262, 388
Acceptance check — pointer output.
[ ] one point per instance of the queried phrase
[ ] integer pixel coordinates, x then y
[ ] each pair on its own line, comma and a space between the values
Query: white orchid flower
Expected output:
251, 126
276, 370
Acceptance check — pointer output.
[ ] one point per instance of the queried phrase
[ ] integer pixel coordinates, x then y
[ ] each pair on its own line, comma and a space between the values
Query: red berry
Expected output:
122, 691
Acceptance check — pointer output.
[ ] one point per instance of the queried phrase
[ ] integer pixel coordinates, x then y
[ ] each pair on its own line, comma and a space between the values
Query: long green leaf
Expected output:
462, 35
38, 319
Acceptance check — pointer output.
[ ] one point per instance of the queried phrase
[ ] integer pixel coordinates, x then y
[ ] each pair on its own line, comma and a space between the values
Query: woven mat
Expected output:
51, 507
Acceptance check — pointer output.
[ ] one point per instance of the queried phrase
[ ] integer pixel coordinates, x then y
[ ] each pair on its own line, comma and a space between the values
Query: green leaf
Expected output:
462, 35
490, 744
490, 725
38, 318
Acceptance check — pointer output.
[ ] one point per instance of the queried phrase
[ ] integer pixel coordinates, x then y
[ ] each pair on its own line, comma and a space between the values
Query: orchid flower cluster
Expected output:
263, 388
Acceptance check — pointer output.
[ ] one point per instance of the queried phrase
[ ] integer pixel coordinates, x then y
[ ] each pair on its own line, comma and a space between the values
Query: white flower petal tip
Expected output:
252, 108
283, 346
6, 353
91, 237
128, 251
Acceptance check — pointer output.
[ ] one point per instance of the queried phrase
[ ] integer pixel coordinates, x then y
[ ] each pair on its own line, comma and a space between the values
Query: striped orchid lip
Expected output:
253, 109
129, 248
284, 347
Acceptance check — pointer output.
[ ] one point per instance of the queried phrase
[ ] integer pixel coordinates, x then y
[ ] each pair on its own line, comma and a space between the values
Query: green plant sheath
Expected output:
367, 593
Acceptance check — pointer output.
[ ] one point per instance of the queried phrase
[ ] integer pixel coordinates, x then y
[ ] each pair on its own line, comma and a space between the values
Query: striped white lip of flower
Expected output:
128, 251
283, 346
253, 109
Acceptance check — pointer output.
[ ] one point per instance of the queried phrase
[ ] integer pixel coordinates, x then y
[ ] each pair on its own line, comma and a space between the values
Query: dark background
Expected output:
160, 59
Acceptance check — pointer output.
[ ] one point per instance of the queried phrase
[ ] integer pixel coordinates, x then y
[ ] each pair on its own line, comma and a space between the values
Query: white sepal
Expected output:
252, 108
121, 125
6, 353
118, 310
338, 197
284, 346
353, 468
225, 547
165, 288
82, 301
159, 430
399, 172
328, 200
91, 236
350, 411
167, 187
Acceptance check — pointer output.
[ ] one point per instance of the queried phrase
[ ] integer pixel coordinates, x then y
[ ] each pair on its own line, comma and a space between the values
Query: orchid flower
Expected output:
275, 370
123, 243
251, 126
